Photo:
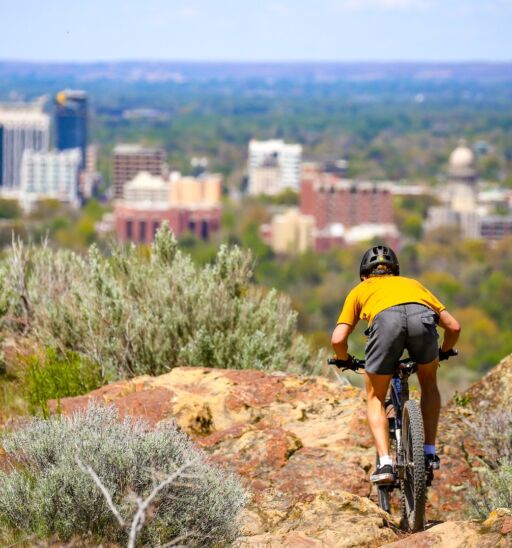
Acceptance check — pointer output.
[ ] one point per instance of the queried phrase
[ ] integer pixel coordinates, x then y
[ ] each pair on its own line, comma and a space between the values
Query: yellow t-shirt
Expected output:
377, 293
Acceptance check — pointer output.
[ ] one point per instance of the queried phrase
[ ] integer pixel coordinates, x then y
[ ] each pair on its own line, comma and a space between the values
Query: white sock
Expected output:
429, 449
385, 459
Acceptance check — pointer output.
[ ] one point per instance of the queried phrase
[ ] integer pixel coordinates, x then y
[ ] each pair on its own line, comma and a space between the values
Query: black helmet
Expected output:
376, 256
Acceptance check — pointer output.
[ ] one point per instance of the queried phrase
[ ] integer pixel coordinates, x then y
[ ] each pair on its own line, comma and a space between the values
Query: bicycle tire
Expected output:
413, 488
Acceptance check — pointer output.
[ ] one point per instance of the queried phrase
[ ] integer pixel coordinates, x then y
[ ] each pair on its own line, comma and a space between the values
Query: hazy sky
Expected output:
251, 30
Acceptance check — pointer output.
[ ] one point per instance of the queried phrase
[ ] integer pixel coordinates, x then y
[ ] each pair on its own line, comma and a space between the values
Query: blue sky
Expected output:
254, 30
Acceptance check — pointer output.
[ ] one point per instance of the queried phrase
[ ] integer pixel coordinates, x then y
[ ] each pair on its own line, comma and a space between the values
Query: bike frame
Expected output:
399, 391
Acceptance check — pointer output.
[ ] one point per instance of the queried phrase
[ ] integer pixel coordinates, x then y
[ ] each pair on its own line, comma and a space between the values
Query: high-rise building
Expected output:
22, 127
128, 160
71, 122
273, 166
49, 175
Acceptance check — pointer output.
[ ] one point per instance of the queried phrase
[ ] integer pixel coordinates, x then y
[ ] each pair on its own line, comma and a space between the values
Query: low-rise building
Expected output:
187, 204
290, 232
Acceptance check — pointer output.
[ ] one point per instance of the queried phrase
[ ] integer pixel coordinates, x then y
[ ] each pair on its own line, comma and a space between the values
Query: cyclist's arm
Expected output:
339, 340
451, 330
346, 322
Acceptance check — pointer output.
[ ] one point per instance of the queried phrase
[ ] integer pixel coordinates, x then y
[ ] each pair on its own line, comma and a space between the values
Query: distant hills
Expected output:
156, 71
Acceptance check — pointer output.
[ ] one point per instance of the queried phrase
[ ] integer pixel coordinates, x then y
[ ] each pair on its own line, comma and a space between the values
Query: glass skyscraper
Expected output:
71, 121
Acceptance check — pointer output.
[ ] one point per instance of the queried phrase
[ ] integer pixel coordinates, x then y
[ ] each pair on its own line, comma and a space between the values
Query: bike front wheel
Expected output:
413, 486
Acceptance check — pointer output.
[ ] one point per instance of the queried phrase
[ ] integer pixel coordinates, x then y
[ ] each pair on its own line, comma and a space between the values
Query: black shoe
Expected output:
383, 474
432, 462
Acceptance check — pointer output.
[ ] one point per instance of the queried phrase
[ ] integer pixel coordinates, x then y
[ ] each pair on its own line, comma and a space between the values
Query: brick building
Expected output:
334, 212
139, 224
331, 200
149, 201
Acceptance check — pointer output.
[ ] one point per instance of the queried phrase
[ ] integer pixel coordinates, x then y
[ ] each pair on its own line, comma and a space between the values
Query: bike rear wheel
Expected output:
413, 488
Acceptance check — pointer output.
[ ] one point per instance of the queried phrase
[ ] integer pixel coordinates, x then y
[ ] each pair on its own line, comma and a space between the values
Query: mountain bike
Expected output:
407, 438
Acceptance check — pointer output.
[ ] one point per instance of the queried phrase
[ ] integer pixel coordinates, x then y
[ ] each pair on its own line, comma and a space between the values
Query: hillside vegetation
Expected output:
76, 322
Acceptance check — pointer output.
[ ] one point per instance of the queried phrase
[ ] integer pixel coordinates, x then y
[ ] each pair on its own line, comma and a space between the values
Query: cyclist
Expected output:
402, 314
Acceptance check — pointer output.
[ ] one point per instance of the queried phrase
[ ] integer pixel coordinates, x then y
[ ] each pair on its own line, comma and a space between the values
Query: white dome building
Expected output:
462, 164
462, 180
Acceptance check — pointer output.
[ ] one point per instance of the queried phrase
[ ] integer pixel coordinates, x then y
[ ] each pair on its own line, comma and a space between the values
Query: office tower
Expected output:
71, 122
128, 160
273, 167
49, 175
22, 127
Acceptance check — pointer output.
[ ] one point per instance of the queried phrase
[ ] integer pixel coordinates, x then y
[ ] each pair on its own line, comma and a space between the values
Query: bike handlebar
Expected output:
354, 364
342, 364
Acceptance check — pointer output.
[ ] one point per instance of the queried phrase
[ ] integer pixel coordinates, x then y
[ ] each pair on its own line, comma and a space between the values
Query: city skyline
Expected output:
274, 30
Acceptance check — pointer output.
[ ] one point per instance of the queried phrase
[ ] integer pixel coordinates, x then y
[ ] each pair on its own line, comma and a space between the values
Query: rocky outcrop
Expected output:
300, 443
334, 519
303, 448
495, 532
462, 451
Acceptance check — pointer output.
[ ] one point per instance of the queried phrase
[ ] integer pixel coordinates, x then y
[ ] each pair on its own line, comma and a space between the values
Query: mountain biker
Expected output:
402, 314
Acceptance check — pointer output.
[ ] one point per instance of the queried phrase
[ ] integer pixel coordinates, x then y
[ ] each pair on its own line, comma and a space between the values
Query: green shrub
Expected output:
56, 376
50, 496
135, 314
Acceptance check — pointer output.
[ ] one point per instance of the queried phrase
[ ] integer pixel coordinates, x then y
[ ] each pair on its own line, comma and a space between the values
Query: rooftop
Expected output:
23, 114
129, 148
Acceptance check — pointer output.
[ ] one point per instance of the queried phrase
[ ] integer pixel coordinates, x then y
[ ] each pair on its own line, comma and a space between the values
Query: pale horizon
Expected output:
272, 31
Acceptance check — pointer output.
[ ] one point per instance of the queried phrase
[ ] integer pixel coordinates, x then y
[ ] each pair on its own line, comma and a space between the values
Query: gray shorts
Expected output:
410, 327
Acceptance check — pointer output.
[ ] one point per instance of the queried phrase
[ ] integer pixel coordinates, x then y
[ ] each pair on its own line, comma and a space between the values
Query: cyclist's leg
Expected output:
376, 390
423, 348
430, 399
383, 350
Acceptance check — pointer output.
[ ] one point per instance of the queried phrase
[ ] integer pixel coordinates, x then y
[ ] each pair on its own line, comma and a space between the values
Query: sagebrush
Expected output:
48, 494
135, 314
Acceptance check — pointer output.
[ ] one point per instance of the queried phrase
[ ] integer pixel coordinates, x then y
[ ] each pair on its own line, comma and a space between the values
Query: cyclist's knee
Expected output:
377, 386
427, 373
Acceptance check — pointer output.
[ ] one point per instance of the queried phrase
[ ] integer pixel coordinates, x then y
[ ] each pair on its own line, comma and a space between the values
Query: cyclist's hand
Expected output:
349, 363
445, 354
